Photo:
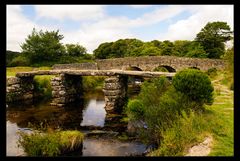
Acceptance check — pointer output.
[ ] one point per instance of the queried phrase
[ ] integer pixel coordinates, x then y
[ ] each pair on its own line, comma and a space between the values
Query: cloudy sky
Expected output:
91, 25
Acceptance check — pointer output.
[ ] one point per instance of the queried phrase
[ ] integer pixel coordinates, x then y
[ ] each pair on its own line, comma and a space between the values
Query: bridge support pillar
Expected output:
115, 91
19, 89
66, 89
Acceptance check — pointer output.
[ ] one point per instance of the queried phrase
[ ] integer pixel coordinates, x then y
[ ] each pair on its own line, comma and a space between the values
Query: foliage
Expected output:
211, 72
136, 109
186, 130
229, 57
157, 86
196, 50
75, 50
43, 46
212, 38
20, 60
195, 84
50, 144
10, 55
91, 82
42, 86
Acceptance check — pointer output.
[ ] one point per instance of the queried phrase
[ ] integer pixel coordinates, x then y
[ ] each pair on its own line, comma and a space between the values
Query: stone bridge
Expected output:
67, 85
148, 63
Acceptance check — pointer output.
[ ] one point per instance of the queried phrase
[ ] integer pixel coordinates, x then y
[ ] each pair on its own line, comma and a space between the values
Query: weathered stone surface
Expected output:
12, 80
115, 93
66, 89
19, 89
149, 63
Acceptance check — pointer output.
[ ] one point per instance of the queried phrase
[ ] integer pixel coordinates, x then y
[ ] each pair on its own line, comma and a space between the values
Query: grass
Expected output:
215, 121
11, 71
50, 144
222, 126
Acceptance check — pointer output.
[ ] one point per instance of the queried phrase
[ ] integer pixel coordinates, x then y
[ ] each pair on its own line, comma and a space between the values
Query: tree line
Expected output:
209, 43
44, 48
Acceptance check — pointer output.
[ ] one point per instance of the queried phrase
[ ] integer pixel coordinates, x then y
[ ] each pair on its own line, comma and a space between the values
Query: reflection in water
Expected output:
94, 114
90, 112
12, 137
108, 147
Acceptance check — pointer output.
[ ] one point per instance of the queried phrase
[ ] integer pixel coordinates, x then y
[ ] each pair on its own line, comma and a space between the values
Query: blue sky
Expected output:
91, 25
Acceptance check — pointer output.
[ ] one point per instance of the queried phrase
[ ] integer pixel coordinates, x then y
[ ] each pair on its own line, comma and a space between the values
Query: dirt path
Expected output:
202, 149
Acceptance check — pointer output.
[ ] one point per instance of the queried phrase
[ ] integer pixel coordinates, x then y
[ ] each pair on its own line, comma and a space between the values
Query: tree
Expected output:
103, 51
167, 47
43, 46
212, 38
196, 50
181, 47
75, 50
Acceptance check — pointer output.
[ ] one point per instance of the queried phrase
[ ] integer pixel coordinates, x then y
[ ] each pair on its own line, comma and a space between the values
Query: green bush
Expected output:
195, 84
19, 61
211, 72
50, 144
152, 90
136, 109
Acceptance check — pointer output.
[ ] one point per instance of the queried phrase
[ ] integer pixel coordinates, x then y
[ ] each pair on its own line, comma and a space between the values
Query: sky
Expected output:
91, 25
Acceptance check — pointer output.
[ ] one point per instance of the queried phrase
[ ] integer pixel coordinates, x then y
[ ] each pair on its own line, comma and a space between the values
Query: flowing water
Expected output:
87, 116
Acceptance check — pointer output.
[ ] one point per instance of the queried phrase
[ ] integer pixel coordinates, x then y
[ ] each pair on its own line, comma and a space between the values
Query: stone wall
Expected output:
19, 89
115, 91
146, 63
79, 66
149, 63
66, 89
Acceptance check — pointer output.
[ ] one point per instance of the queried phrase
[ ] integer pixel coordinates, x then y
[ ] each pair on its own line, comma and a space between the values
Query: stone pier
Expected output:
115, 91
66, 89
19, 89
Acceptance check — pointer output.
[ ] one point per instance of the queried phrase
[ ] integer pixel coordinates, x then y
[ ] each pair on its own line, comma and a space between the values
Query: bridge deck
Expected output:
95, 73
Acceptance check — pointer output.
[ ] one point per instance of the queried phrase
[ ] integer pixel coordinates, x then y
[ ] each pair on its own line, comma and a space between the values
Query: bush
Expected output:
50, 144
136, 109
211, 72
152, 90
195, 84
19, 61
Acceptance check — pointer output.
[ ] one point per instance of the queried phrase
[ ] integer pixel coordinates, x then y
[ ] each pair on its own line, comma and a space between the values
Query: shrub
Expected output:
195, 84
19, 61
50, 144
152, 90
211, 72
136, 109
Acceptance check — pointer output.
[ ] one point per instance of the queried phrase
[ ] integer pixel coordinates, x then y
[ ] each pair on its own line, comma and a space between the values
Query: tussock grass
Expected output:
50, 144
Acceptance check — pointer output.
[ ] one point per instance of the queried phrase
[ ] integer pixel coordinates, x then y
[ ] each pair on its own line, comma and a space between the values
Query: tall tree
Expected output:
212, 38
43, 46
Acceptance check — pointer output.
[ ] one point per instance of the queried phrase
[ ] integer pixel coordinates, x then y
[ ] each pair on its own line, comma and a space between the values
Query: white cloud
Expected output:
107, 28
74, 12
187, 29
140, 6
18, 27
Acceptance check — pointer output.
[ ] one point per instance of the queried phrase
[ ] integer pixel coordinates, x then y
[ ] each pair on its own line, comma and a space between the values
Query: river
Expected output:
87, 116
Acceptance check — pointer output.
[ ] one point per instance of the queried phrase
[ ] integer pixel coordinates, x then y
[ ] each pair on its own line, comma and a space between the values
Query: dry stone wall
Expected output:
115, 91
66, 89
19, 89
